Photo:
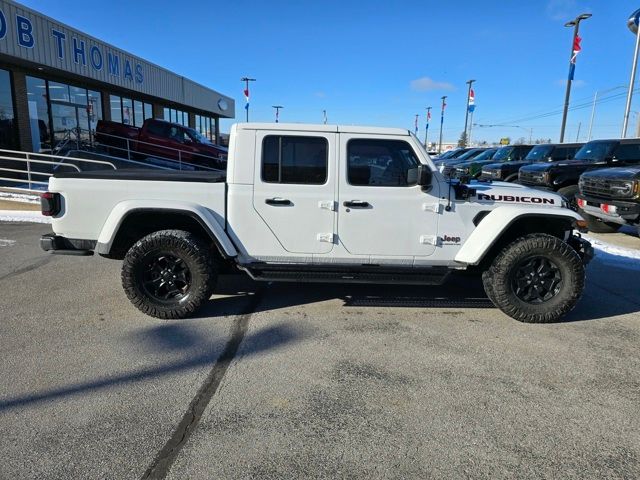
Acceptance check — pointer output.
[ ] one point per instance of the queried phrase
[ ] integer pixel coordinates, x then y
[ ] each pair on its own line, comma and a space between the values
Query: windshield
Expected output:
503, 153
595, 151
486, 155
539, 153
197, 136
470, 154
459, 153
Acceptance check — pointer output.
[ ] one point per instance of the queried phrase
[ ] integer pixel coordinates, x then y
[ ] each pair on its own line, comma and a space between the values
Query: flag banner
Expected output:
246, 107
428, 115
577, 48
416, 124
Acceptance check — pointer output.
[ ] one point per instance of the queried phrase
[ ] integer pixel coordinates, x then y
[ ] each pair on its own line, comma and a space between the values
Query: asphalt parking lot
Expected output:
310, 381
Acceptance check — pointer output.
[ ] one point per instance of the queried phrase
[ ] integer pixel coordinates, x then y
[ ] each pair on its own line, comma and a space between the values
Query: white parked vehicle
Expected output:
320, 203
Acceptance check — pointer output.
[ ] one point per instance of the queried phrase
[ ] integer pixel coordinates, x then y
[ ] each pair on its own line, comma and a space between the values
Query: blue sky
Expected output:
380, 63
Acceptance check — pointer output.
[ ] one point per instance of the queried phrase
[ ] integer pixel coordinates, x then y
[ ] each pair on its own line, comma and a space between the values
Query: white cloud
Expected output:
425, 84
320, 94
565, 9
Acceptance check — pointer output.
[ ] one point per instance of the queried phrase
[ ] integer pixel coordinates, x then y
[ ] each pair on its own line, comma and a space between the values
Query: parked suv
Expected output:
562, 176
473, 154
508, 171
508, 153
610, 198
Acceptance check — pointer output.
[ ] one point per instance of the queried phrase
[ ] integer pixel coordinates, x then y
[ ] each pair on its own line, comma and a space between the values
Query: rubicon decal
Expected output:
512, 198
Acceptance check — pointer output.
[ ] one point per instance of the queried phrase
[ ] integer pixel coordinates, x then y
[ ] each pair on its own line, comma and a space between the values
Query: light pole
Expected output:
572, 64
277, 107
466, 116
324, 117
246, 81
426, 127
632, 23
444, 104
593, 107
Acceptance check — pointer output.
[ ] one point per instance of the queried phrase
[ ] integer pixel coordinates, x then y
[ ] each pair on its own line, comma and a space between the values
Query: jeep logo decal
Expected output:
511, 198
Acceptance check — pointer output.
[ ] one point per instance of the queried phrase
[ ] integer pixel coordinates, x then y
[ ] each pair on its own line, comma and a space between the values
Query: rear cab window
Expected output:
628, 153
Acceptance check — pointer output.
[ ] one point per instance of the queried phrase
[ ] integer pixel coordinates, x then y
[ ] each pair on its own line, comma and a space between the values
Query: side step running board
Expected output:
364, 274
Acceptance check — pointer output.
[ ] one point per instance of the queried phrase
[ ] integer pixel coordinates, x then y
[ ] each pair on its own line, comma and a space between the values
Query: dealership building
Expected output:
57, 82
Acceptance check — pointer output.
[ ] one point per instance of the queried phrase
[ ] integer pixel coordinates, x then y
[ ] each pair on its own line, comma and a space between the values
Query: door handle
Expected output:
356, 204
280, 202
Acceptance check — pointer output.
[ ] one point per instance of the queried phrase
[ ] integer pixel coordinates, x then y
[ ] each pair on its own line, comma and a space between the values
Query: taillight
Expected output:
50, 204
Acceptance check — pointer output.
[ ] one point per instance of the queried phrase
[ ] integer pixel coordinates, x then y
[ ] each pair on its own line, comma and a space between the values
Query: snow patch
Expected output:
609, 254
4, 242
20, 197
23, 216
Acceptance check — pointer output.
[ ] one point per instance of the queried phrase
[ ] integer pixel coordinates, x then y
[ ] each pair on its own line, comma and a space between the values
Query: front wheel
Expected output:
169, 274
536, 279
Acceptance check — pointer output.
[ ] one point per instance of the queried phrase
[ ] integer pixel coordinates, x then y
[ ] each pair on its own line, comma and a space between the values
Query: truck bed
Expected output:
148, 175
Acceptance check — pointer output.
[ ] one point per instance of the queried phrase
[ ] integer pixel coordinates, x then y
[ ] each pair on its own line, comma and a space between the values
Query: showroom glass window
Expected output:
381, 163
38, 114
7, 125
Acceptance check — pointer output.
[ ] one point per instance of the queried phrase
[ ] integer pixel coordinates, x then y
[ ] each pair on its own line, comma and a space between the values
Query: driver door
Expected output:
382, 211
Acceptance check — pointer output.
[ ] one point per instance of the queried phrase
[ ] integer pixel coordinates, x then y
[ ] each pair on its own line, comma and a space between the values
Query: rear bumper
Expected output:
66, 246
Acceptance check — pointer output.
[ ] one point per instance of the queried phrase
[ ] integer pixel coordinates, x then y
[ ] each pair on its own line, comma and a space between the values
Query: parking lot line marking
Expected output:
168, 454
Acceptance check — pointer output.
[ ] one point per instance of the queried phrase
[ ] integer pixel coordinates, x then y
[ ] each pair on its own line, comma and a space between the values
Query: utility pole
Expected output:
466, 116
246, 81
426, 128
578, 134
444, 104
572, 65
277, 107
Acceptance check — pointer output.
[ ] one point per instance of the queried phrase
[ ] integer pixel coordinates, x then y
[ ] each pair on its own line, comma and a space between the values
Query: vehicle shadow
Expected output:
182, 340
611, 290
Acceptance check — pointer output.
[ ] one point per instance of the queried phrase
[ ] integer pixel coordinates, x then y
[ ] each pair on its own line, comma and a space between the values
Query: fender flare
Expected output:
494, 224
205, 217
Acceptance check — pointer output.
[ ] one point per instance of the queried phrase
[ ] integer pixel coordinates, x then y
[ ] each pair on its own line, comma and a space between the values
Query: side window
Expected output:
157, 128
562, 153
381, 163
289, 159
628, 152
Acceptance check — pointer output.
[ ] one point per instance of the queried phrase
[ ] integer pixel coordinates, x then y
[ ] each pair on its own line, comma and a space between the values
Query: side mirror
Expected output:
424, 176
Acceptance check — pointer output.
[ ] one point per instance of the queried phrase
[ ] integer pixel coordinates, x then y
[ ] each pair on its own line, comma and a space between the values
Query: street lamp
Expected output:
576, 26
632, 23
246, 81
277, 107
466, 116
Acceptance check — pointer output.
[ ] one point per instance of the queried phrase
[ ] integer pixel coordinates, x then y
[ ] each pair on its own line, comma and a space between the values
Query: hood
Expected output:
497, 193
618, 173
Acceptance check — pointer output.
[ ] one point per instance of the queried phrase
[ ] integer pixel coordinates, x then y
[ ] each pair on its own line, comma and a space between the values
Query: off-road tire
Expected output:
500, 279
596, 225
148, 254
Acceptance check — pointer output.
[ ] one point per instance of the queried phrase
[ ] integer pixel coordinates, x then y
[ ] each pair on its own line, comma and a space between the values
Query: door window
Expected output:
289, 159
381, 163
629, 153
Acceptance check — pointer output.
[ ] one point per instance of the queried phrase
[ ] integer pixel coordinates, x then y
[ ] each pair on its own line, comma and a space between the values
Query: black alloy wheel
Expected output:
536, 280
165, 277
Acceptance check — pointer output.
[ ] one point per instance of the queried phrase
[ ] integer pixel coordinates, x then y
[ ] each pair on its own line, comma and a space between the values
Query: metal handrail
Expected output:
155, 145
47, 155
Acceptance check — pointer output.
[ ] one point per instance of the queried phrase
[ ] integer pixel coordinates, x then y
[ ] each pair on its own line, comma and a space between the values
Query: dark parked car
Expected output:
468, 155
562, 176
609, 198
508, 171
508, 153
161, 139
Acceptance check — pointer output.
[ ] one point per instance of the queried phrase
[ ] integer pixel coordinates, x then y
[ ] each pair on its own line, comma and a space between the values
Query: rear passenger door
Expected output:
294, 189
626, 154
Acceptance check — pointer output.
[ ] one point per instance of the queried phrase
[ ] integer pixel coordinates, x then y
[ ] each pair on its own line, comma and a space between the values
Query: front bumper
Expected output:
66, 246
582, 247
625, 211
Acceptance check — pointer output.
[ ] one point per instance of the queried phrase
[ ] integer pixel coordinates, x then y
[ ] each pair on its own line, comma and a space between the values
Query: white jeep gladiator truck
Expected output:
320, 203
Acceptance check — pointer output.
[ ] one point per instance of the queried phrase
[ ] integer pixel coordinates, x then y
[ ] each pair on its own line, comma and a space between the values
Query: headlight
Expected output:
545, 177
625, 189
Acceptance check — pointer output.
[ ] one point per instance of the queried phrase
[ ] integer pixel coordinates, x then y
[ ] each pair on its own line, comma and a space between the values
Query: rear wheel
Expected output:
536, 279
169, 274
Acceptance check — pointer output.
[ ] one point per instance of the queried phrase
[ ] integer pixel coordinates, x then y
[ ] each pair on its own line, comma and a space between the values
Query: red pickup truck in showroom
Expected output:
161, 140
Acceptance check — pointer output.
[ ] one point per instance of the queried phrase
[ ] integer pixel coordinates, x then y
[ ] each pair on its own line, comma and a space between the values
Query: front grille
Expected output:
533, 178
601, 187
